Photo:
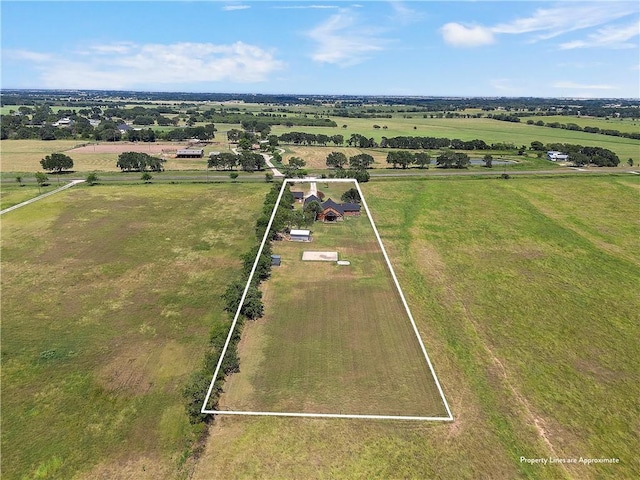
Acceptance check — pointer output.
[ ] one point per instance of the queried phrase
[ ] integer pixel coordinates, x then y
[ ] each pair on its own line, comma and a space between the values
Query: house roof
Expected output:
305, 233
335, 206
190, 151
298, 195
350, 207
312, 198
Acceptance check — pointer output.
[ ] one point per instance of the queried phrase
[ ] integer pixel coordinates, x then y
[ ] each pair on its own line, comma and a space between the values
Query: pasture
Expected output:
25, 155
489, 130
108, 296
334, 339
524, 292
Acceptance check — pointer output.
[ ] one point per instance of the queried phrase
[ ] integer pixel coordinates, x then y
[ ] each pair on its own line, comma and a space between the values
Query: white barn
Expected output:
300, 235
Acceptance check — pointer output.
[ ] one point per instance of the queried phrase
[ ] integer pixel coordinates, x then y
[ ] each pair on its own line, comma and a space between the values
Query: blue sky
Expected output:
469, 48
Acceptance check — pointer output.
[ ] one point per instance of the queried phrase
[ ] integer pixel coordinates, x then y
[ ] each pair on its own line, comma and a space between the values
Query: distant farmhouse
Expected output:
556, 156
332, 211
190, 153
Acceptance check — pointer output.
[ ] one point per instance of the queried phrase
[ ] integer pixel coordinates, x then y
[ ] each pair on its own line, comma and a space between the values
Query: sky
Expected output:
585, 49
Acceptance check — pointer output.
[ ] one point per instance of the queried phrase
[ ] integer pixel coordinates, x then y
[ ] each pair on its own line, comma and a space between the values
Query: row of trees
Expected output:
247, 161
405, 159
301, 138
339, 160
139, 162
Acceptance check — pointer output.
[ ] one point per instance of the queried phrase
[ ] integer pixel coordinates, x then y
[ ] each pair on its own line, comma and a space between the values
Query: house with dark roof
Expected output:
298, 196
335, 212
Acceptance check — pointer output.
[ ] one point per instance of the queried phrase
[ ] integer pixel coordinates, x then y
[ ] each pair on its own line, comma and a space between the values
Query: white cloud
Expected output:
546, 23
403, 14
127, 65
551, 22
611, 36
343, 42
459, 35
27, 56
581, 86
231, 8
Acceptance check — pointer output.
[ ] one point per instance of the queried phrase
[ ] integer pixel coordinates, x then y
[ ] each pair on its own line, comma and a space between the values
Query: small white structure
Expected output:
300, 235
556, 156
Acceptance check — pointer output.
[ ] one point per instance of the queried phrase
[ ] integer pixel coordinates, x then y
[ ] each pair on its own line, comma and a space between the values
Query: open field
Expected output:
489, 130
25, 155
12, 194
625, 125
108, 296
524, 292
334, 339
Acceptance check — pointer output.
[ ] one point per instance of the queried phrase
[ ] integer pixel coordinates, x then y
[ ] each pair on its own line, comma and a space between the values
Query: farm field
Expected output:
334, 339
108, 296
625, 125
25, 155
526, 302
489, 130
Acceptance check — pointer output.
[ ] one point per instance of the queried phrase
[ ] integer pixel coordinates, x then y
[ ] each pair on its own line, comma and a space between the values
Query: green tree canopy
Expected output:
336, 160
57, 162
351, 196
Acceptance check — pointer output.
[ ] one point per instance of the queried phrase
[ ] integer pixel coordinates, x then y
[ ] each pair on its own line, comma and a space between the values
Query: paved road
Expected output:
40, 197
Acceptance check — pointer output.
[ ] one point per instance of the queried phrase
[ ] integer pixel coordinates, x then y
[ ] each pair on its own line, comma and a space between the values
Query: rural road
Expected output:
40, 197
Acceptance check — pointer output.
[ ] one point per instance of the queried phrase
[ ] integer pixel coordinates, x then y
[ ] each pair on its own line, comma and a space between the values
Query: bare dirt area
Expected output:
168, 148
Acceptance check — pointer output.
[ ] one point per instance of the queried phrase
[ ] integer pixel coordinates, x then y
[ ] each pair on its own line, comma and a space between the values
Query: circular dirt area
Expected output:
169, 148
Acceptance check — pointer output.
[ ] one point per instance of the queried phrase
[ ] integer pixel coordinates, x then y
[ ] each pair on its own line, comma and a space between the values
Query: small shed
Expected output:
276, 260
300, 235
298, 196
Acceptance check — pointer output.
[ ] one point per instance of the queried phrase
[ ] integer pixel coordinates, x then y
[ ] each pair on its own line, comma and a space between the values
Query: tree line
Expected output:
247, 161
252, 308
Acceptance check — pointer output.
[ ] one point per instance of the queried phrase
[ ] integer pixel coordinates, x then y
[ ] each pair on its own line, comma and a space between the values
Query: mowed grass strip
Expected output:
334, 339
108, 296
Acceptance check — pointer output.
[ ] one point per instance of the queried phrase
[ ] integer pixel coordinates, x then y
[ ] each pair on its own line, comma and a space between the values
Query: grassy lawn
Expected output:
108, 295
334, 339
12, 194
524, 292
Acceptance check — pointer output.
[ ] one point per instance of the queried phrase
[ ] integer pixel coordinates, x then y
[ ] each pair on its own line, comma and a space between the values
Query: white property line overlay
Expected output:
404, 302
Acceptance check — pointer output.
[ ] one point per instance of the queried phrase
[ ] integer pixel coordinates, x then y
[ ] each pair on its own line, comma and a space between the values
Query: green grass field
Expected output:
489, 130
525, 294
334, 339
108, 295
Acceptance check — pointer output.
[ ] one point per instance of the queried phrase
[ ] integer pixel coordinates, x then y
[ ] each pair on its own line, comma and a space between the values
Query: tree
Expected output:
312, 209
92, 179
146, 177
402, 158
57, 162
361, 162
294, 168
233, 175
336, 160
19, 179
41, 179
422, 159
351, 196
629, 162
488, 161
268, 177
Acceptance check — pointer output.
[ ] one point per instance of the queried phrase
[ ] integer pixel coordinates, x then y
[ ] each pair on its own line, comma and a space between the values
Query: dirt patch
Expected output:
135, 468
128, 372
168, 148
